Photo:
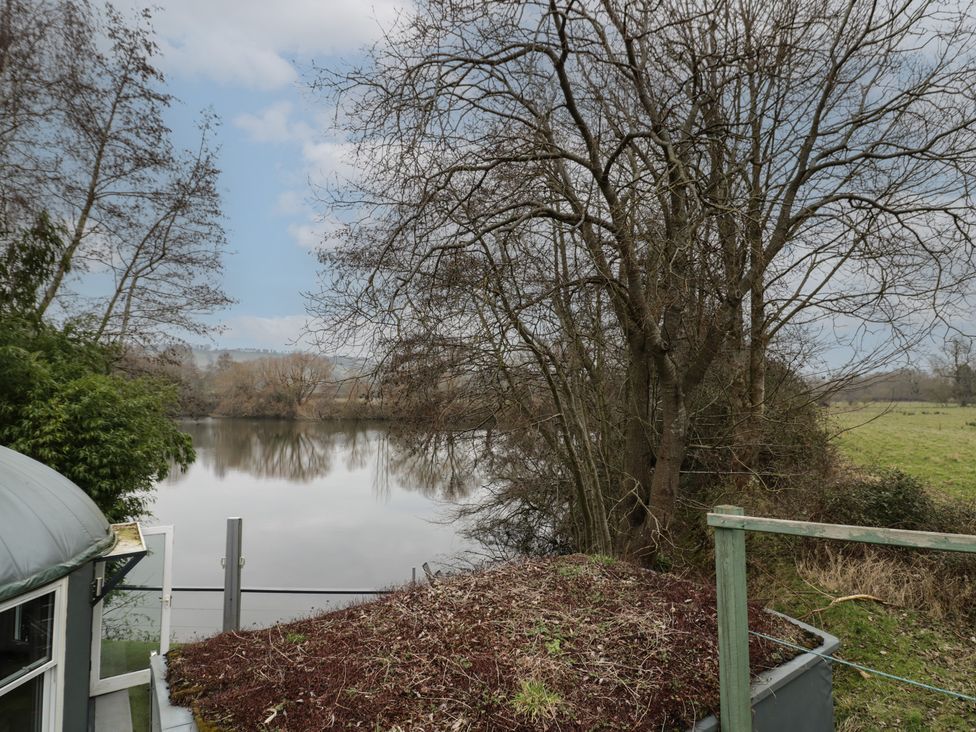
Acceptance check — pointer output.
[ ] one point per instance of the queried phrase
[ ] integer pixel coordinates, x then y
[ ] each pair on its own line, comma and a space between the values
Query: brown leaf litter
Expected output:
565, 643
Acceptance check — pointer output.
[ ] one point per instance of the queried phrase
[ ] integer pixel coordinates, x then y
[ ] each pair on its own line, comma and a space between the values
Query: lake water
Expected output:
324, 505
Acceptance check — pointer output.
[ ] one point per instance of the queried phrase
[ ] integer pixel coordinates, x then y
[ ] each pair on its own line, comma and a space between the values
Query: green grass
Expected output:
122, 656
535, 701
896, 641
141, 711
935, 442
119, 657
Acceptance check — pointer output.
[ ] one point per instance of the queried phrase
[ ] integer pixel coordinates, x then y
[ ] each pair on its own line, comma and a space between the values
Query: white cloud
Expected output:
253, 43
325, 160
273, 124
322, 162
312, 233
253, 331
226, 59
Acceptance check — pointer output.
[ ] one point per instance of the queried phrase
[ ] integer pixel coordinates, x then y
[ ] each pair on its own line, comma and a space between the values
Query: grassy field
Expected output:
936, 442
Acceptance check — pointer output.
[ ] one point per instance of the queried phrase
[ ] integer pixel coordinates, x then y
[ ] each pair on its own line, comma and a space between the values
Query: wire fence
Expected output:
730, 525
865, 669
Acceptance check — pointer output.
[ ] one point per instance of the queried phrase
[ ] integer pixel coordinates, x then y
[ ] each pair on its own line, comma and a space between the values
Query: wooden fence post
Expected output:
733, 626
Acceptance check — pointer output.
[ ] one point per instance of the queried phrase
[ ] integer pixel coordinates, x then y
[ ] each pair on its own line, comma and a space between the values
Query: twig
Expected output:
847, 598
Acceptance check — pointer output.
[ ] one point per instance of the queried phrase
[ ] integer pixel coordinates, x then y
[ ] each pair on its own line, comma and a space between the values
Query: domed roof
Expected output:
48, 525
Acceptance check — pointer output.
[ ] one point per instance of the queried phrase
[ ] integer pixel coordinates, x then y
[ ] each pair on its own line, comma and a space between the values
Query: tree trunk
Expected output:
652, 501
751, 428
670, 454
638, 463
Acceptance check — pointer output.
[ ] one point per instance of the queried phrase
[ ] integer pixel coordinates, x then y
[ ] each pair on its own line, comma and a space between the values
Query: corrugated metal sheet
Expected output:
48, 525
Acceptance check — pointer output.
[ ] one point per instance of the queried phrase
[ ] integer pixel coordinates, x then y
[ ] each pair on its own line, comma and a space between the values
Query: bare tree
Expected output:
299, 375
112, 138
166, 262
958, 366
83, 141
628, 199
275, 386
32, 65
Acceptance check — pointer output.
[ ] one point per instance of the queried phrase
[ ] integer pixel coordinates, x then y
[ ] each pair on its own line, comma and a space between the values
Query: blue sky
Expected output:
248, 60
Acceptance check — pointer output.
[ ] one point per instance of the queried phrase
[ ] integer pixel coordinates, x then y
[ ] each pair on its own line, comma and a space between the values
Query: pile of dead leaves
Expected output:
567, 643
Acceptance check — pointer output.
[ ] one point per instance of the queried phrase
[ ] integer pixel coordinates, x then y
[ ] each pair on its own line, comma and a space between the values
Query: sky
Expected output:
250, 61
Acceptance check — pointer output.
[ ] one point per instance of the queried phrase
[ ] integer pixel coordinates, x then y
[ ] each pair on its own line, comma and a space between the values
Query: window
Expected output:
31, 660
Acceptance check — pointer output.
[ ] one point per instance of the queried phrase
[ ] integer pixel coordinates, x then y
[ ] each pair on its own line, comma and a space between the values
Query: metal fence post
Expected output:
733, 625
232, 575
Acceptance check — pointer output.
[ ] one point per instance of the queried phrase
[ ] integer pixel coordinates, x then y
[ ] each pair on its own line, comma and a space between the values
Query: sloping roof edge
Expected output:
57, 571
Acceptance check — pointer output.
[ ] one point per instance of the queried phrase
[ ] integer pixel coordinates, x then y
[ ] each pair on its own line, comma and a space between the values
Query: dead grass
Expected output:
561, 644
919, 581
892, 638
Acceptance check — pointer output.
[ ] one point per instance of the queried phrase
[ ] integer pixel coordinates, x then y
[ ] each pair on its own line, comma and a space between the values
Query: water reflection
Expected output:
327, 505
435, 465
439, 465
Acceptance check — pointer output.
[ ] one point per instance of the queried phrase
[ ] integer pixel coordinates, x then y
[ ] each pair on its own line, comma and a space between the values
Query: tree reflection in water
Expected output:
436, 465
439, 465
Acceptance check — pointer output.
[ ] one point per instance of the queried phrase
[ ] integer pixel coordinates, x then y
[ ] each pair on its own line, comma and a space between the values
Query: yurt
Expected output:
52, 535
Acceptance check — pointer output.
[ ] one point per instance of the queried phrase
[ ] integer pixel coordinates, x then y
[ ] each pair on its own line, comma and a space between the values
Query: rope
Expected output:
867, 669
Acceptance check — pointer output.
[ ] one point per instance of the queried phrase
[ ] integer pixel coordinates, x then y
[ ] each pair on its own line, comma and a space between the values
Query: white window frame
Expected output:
96, 684
52, 706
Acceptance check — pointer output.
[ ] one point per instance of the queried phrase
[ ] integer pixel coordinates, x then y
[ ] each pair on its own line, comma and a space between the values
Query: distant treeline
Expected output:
308, 386
284, 386
951, 377
905, 385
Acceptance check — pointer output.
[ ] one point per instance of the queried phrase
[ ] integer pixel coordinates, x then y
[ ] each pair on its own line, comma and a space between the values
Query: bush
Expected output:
937, 583
890, 499
113, 436
895, 500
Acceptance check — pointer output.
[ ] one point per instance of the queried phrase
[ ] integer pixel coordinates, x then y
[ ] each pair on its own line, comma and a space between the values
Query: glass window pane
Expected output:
25, 637
131, 618
21, 710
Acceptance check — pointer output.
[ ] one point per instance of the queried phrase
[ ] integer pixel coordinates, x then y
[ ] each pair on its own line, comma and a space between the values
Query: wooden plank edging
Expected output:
842, 532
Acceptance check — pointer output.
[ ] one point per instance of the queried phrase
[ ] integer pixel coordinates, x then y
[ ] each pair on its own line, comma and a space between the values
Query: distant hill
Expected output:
207, 357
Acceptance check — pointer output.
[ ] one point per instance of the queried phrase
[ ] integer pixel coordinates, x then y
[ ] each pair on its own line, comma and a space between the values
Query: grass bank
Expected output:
919, 632
936, 442
886, 637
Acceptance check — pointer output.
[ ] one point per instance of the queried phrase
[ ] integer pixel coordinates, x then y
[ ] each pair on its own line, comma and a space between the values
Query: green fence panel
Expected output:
730, 525
735, 709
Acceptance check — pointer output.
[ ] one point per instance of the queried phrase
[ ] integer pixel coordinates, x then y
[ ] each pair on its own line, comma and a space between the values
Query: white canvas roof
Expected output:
48, 525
